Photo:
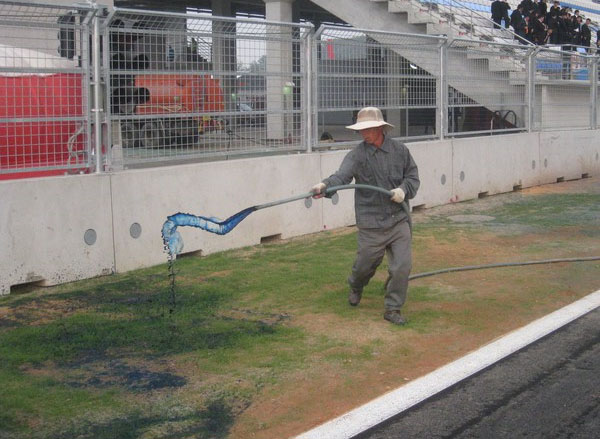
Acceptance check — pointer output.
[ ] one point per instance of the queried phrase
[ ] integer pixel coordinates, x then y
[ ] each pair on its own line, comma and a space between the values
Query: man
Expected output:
576, 26
586, 34
555, 10
538, 30
382, 222
518, 23
499, 11
542, 8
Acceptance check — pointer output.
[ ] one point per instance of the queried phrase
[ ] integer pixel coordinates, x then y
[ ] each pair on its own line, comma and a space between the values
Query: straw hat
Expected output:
370, 117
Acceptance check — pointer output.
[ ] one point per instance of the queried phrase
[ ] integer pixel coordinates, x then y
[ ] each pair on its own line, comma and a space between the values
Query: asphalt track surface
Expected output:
550, 389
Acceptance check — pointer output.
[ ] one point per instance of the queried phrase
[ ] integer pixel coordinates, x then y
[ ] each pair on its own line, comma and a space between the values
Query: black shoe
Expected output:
354, 297
394, 317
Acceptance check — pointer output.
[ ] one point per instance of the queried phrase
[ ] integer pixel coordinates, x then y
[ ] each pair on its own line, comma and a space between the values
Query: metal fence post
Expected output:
531, 89
442, 104
593, 75
308, 41
97, 110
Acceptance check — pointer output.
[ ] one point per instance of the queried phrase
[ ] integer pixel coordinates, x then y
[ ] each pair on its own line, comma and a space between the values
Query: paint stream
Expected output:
174, 243
172, 238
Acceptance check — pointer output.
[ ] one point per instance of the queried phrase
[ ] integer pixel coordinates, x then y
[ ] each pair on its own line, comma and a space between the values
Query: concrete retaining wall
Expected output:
45, 223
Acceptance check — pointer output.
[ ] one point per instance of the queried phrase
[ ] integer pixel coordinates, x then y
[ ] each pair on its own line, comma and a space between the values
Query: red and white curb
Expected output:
401, 399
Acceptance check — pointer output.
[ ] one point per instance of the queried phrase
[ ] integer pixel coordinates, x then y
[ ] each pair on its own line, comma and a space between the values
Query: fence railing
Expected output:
176, 87
190, 86
45, 73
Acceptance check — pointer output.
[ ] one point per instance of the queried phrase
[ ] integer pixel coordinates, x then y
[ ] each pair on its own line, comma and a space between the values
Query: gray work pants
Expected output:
372, 245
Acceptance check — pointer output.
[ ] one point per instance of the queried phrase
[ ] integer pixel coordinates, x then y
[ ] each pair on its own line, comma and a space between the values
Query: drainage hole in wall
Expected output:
585, 175
270, 238
517, 187
191, 254
89, 237
482, 194
135, 230
26, 287
560, 179
418, 208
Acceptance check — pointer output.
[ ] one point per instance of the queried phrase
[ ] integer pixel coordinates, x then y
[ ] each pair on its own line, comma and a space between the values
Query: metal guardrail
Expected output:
172, 87
45, 106
185, 86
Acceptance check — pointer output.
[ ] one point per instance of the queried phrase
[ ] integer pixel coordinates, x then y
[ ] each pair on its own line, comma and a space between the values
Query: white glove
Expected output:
318, 188
398, 195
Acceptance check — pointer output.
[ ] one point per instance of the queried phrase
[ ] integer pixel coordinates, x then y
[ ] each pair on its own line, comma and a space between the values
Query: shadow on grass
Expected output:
67, 339
213, 422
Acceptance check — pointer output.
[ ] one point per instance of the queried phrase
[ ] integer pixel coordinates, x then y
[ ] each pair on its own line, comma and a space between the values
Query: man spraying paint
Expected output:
382, 222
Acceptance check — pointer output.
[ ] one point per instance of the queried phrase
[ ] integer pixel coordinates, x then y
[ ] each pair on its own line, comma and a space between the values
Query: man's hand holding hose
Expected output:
318, 190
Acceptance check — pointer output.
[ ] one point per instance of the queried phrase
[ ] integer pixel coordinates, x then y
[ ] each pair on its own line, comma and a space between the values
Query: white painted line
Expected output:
396, 401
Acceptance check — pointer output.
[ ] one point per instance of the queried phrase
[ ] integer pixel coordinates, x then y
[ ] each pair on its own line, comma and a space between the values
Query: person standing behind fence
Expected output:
586, 34
382, 222
552, 19
500, 10
542, 8
518, 22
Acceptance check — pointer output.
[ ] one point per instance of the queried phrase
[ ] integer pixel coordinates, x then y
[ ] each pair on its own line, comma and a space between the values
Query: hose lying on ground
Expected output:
502, 264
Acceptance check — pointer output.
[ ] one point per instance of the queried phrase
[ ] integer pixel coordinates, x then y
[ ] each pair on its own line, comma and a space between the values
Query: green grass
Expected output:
107, 358
550, 210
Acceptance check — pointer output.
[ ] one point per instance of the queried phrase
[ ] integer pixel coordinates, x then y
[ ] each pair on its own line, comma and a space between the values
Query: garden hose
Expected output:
174, 244
502, 264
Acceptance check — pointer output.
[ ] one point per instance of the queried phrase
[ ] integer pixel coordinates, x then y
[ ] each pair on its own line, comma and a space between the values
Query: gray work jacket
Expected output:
389, 167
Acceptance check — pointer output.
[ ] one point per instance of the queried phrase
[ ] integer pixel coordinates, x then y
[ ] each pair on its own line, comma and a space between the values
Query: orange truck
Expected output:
179, 107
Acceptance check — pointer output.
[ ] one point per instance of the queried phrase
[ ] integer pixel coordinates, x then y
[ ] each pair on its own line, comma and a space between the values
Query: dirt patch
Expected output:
250, 315
101, 372
36, 313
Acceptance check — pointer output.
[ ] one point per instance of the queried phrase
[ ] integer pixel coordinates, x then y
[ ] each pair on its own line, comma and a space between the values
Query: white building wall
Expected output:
43, 221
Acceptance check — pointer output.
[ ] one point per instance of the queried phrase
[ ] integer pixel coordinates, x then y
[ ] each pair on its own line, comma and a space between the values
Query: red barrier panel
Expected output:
29, 144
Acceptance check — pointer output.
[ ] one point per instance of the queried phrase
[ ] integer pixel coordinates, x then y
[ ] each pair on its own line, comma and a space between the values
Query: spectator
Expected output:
564, 28
554, 10
500, 10
538, 30
518, 23
586, 34
552, 21
497, 13
542, 7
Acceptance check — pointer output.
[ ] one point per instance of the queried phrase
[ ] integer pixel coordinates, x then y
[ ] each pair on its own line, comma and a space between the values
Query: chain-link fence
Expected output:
44, 89
563, 89
486, 87
190, 85
398, 73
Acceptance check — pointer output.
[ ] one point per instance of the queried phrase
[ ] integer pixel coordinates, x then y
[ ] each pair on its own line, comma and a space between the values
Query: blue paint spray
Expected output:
172, 238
